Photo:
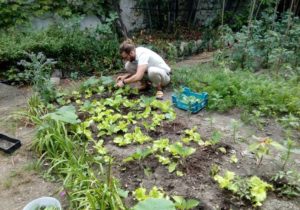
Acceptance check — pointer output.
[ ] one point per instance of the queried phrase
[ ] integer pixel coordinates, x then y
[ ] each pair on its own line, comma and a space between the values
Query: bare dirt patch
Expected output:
19, 183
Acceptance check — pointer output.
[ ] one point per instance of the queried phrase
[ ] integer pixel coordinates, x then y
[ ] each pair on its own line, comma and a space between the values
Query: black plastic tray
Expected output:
9, 145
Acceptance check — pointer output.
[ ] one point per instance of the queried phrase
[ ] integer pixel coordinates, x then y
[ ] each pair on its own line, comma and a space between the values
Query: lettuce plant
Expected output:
192, 135
253, 188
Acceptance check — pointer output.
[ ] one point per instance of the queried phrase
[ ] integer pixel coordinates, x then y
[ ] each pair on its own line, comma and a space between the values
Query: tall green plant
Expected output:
37, 72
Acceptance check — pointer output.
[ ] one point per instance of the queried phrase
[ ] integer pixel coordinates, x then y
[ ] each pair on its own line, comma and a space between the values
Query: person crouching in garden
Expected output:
144, 66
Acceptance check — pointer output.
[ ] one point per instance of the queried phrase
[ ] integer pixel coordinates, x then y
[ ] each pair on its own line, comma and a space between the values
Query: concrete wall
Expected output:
89, 21
131, 18
207, 10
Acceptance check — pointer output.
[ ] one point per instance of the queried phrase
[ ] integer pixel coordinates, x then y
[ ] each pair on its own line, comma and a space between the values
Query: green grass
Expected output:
257, 94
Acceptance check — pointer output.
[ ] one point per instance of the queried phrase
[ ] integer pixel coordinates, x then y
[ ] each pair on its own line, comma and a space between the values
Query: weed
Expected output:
235, 126
214, 139
32, 166
261, 148
287, 183
7, 183
214, 169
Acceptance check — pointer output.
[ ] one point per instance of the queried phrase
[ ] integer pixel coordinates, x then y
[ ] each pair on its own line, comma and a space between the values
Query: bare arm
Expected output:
140, 72
124, 76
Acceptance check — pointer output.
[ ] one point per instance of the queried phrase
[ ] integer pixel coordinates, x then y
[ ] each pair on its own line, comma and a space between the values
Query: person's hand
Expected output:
120, 78
120, 83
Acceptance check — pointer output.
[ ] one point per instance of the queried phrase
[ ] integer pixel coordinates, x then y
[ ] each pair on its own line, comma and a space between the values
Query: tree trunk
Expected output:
195, 16
149, 15
121, 24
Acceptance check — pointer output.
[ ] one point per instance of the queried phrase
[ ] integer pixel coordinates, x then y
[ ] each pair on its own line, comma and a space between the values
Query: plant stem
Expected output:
274, 13
234, 134
288, 153
260, 160
251, 16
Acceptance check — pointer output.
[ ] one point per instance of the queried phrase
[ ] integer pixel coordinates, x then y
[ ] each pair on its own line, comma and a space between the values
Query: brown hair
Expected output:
127, 46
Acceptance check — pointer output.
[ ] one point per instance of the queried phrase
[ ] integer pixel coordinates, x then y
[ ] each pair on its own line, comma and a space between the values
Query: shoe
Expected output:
159, 95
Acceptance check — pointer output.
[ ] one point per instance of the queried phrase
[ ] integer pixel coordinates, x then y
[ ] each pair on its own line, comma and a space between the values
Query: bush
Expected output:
267, 44
74, 50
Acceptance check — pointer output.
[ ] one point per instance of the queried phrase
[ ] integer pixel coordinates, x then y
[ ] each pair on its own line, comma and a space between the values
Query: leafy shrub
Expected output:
265, 44
37, 72
75, 50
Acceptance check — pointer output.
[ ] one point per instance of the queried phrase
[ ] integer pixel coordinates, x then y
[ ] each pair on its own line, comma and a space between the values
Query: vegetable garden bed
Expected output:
113, 148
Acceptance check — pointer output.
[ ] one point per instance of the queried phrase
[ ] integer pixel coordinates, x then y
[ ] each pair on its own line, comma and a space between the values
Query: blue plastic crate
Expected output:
180, 101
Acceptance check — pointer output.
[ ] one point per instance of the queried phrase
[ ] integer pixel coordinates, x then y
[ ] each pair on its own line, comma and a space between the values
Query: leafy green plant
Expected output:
258, 190
253, 188
160, 145
261, 148
214, 139
35, 108
192, 135
214, 169
140, 194
37, 72
290, 121
287, 183
66, 114
184, 204
122, 141
265, 43
288, 148
287, 155
139, 155
233, 159
155, 203
178, 150
74, 50
156, 120
235, 126
136, 137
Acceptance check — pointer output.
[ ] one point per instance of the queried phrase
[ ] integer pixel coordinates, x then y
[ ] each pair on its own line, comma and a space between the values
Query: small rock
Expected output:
232, 151
269, 134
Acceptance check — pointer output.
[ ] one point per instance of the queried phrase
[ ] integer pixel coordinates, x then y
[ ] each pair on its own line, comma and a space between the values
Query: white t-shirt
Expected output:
150, 58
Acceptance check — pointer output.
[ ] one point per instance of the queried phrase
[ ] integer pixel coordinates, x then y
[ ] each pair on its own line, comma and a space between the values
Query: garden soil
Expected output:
197, 182
19, 183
